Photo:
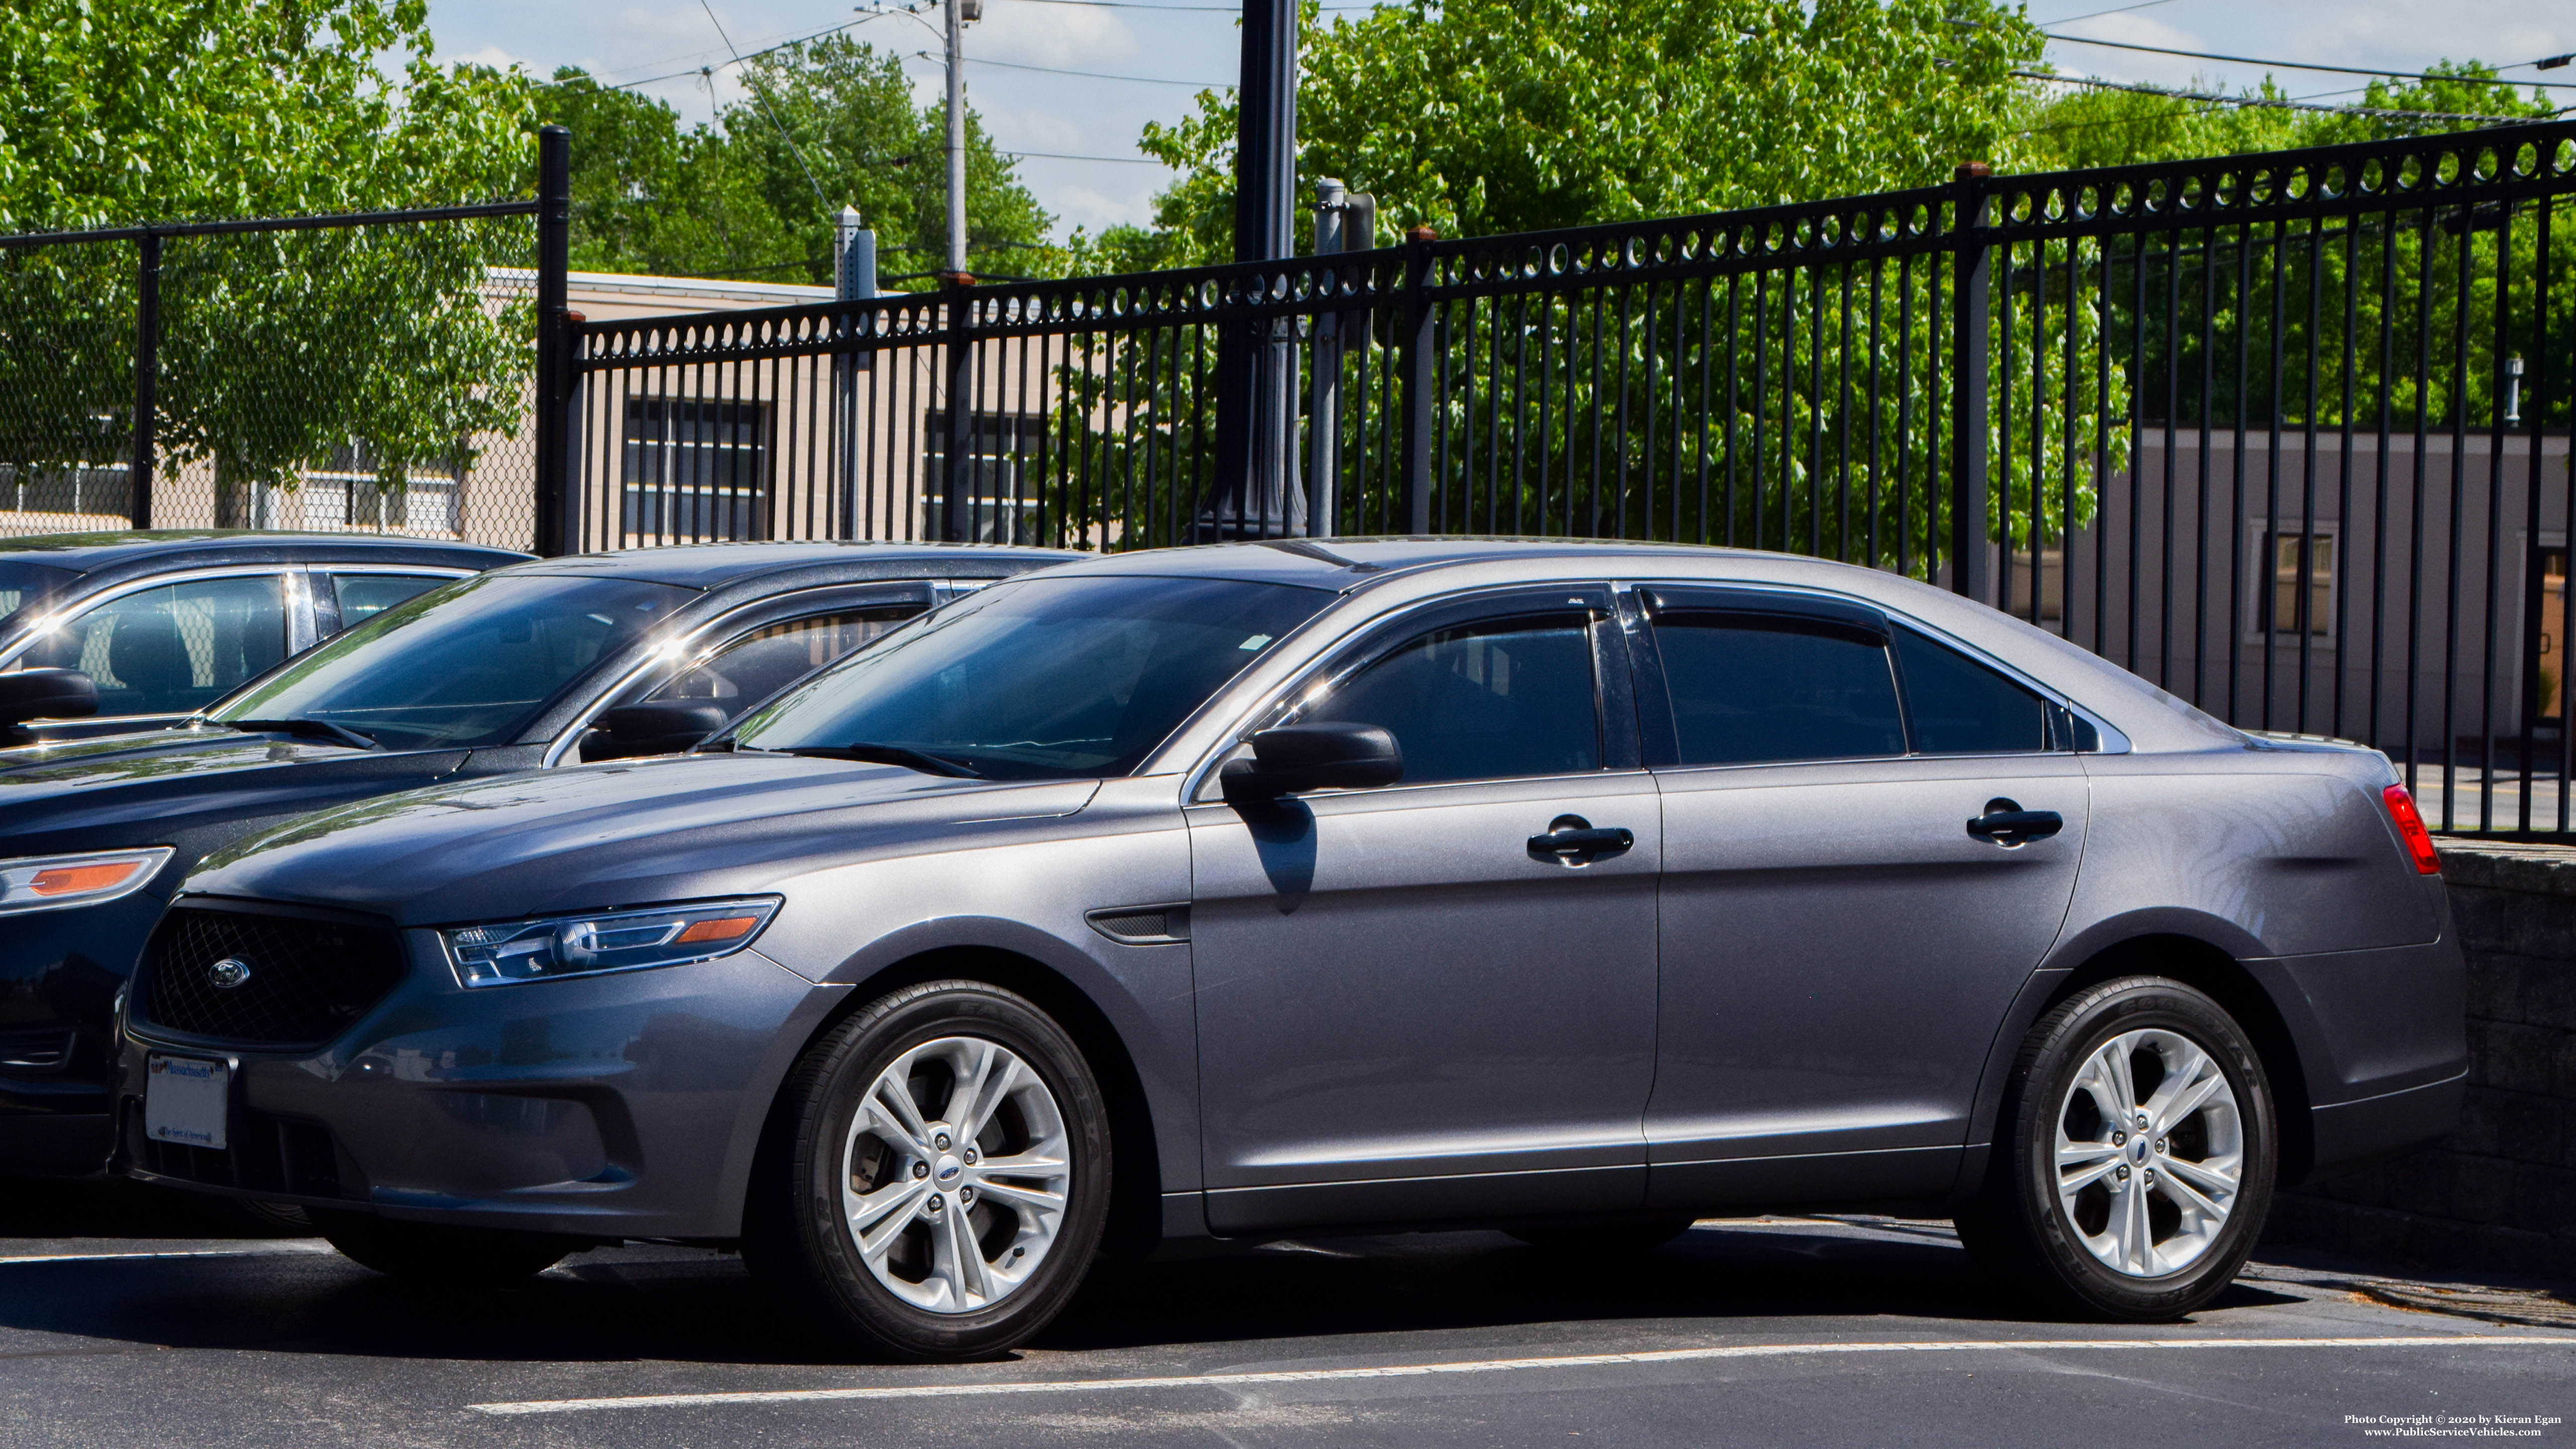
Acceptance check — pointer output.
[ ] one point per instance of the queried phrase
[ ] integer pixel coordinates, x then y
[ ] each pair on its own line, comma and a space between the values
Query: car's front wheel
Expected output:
937, 1174
2134, 1157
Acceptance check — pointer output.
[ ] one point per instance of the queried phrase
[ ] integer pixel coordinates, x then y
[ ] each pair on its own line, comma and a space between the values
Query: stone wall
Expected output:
2499, 1195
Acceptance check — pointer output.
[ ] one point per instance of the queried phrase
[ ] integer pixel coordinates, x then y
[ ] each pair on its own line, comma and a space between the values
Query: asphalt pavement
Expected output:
131, 1318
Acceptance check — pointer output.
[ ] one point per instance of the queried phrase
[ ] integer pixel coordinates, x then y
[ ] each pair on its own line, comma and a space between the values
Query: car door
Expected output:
1408, 1007
1843, 922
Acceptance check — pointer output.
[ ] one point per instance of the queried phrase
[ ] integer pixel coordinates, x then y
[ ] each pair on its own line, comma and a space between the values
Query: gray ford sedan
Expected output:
1574, 889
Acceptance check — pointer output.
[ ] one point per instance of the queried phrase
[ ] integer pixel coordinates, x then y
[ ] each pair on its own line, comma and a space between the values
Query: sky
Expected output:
1078, 132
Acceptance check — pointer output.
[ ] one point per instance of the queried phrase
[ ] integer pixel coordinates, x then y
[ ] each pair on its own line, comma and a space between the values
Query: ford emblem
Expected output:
228, 973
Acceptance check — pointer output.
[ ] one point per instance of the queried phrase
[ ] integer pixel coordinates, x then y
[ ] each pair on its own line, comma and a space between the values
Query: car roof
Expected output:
87, 553
1348, 563
1399, 569
714, 565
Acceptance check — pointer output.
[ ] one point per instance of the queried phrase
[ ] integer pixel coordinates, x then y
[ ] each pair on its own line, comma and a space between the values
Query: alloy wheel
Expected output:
2150, 1152
957, 1170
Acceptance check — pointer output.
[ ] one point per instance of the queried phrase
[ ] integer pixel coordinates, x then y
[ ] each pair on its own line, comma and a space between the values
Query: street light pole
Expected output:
1253, 494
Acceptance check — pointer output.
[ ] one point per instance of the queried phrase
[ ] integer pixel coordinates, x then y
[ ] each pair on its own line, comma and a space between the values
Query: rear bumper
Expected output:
2353, 1135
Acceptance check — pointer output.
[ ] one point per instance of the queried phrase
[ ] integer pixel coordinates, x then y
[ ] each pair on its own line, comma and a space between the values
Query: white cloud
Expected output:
1057, 35
493, 56
1094, 209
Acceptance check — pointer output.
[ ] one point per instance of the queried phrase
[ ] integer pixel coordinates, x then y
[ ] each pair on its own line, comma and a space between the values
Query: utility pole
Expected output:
960, 14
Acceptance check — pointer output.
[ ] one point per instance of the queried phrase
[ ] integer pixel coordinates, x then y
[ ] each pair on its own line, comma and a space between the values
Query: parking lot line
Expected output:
1499, 1365
277, 1250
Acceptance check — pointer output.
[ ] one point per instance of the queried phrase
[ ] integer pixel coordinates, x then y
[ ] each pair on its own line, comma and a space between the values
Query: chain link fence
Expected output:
368, 373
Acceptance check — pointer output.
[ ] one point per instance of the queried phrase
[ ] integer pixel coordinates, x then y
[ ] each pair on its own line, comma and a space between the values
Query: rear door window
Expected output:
1754, 689
363, 596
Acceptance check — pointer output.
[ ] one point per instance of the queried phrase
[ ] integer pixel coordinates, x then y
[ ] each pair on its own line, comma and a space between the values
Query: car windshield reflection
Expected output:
467, 665
1042, 678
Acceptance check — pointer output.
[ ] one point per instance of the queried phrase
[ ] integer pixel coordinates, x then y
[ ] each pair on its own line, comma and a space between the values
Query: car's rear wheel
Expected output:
440, 1254
2134, 1157
937, 1174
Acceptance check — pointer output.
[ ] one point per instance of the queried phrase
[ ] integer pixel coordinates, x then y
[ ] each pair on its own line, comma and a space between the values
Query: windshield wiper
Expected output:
910, 759
308, 729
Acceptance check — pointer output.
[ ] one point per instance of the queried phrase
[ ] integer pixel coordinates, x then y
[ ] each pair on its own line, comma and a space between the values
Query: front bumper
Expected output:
60, 971
619, 1105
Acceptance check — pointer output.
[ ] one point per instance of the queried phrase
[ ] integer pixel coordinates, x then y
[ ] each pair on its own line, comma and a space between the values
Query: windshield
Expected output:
22, 583
468, 664
1044, 678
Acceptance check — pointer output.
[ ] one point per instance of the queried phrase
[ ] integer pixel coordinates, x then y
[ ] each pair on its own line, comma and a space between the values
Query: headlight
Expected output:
43, 882
497, 955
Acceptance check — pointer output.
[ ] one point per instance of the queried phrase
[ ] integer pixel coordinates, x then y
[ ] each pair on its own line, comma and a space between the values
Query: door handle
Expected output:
1573, 840
2006, 824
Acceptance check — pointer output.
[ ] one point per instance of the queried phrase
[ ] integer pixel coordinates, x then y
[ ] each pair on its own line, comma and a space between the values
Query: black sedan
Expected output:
533, 665
162, 622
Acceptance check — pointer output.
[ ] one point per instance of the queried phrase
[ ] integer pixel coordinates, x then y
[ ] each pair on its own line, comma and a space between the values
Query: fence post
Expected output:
1970, 572
1419, 355
554, 341
957, 469
147, 379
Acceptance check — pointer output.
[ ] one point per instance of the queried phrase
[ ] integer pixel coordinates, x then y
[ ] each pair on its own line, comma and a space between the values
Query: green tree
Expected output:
1483, 116
737, 199
1478, 117
279, 349
2400, 270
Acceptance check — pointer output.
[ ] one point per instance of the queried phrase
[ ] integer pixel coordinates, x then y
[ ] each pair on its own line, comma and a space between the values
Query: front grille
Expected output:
268, 1154
301, 981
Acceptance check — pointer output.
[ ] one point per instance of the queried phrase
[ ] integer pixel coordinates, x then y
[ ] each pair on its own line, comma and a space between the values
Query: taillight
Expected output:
2410, 828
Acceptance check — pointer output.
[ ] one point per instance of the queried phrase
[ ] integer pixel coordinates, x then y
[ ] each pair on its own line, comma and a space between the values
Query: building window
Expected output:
348, 495
2299, 593
694, 471
1002, 501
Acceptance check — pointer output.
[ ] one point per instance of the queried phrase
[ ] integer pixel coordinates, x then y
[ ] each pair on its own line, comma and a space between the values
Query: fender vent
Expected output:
1142, 925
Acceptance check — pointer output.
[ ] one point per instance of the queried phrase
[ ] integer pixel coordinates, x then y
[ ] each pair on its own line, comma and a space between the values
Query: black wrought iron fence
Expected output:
2284, 433
372, 372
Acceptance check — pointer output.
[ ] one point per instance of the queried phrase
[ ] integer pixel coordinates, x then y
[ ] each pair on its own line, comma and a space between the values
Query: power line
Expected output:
1235, 10
748, 55
1067, 156
2295, 65
763, 97
1150, 80
2267, 102
2114, 10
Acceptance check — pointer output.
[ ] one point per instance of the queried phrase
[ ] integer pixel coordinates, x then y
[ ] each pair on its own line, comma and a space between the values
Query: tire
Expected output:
863, 1135
437, 1253
2159, 1221
1610, 1240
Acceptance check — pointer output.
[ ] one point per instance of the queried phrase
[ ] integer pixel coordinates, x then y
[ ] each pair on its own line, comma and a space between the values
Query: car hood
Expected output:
112, 782
599, 836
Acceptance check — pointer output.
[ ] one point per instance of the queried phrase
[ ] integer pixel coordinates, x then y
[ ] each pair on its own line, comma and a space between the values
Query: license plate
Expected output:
186, 1099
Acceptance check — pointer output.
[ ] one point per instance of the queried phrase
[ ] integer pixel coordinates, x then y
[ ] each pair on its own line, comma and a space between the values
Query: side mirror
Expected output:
27, 694
1327, 755
662, 728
